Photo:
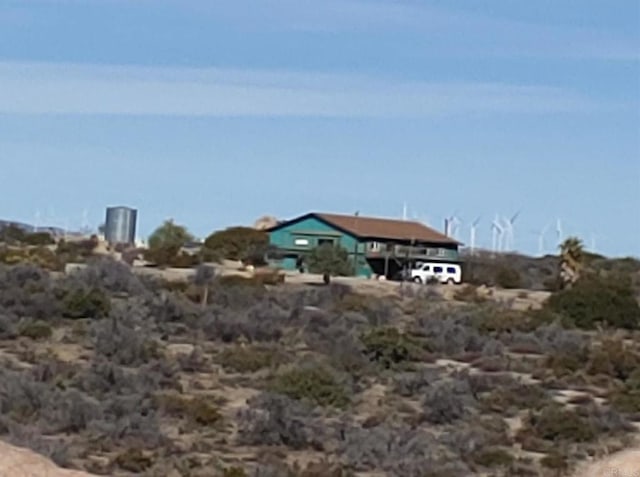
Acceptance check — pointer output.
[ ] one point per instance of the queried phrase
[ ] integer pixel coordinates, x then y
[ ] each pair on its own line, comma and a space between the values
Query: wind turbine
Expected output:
509, 241
472, 238
497, 231
559, 231
451, 225
36, 225
541, 239
404, 211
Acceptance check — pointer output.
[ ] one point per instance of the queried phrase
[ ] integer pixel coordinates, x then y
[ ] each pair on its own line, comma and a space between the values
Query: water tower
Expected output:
120, 226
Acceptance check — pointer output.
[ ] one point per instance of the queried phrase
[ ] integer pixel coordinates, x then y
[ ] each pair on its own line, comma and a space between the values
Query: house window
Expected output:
301, 242
324, 241
375, 246
442, 252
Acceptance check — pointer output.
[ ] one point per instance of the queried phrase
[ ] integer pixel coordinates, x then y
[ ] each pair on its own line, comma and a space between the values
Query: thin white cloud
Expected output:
476, 34
74, 89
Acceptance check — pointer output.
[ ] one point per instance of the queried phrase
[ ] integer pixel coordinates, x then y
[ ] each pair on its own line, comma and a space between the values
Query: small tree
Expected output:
238, 243
571, 261
330, 260
165, 243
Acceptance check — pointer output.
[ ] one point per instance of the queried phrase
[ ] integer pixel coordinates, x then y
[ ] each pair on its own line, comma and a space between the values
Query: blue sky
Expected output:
215, 113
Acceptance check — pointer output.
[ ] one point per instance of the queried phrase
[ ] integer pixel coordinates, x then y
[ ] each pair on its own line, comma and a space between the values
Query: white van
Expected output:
443, 272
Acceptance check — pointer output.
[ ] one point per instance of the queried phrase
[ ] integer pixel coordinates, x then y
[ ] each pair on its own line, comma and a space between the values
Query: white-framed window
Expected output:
375, 246
442, 252
301, 242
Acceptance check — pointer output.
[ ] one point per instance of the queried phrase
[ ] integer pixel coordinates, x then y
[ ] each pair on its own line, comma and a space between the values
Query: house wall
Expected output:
302, 237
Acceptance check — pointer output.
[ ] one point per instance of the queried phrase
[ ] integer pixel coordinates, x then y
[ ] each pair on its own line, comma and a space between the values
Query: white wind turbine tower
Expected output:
541, 234
37, 220
559, 232
451, 225
472, 238
497, 231
510, 239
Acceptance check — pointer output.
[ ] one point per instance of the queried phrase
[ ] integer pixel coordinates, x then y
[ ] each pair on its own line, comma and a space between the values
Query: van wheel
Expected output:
417, 280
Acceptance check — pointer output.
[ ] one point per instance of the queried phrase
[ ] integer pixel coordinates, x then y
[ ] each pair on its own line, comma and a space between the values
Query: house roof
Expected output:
379, 228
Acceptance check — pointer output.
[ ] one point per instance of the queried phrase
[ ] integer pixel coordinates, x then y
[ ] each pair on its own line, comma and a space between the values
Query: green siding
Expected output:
314, 231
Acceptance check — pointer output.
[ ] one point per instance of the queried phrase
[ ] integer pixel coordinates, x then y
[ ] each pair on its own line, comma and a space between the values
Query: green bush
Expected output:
593, 300
199, 410
554, 423
36, 330
613, 358
493, 458
133, 460
507, 277
555, 460
249, 359
313, 383
85, 303
469, 294
388, 347
330, 259
238, 243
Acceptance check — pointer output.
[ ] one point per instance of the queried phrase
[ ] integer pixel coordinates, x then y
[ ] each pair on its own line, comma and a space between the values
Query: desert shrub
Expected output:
448, 400
592, 301
507, 277
388, 347
273, 419
493, 458
398, 451
613, 358
27, 291
7, 327
192, 362
199, 410
321, 469
345, 353
250, 358
469, 293
410, 384
234, 472
80, 302
554, 423
313, 383
259, 323
21, 397
449, 332
121, 343
626, 400
36, 330
606, 420
133, 460
514, 397
555, 460
110, 275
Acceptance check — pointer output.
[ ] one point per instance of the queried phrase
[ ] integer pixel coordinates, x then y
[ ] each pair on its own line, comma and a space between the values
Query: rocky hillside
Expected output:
120, 375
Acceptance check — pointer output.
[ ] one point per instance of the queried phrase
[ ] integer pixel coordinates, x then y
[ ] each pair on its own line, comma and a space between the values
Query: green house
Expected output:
378, 246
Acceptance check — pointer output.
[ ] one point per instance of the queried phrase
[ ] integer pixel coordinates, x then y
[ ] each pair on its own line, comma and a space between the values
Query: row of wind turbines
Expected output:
50, 220
503, 232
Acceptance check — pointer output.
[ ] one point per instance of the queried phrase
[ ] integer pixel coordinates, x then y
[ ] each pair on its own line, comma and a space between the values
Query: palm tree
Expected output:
571, 261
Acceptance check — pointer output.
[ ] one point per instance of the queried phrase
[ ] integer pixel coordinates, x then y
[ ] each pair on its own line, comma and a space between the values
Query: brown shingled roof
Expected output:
391, 229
